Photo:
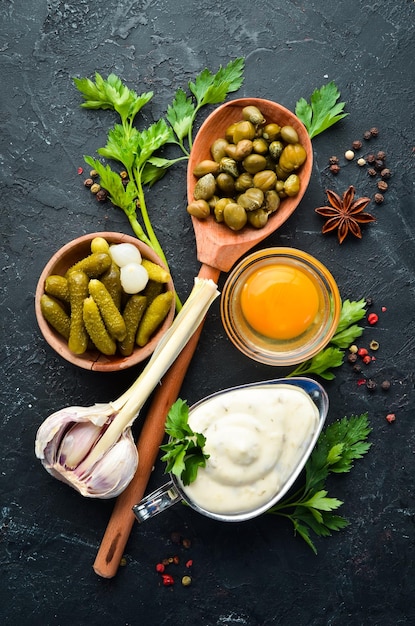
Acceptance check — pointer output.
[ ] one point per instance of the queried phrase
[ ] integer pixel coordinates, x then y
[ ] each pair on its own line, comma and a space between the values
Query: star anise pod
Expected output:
345, 213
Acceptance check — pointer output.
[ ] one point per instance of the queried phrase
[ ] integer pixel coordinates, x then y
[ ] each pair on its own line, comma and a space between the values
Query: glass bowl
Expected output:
92, 359
280, 306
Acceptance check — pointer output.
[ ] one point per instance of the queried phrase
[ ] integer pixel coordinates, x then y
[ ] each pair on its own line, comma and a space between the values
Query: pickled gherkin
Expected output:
93, 265
133, 312
155, 272
96, 328
55, 315
153, 317
99, 245
78, 291
111, 316
57, 286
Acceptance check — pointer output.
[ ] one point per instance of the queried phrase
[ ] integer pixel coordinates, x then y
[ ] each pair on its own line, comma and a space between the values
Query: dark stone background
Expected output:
256, 573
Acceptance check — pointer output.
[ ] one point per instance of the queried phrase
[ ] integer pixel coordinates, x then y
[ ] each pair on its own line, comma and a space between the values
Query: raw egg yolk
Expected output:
279, 301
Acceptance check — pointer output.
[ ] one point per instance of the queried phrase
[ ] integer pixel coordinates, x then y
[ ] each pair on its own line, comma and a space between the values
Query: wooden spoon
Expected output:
218, 249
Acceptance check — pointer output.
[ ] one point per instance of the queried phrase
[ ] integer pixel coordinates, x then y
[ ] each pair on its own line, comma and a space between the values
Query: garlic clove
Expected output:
77, 443
112, 473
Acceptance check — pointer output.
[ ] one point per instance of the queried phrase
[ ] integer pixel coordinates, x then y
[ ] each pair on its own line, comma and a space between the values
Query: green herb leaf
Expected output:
310, 508
121, 145
111, 94
211, 88
351, 312
123, 197
352, 433
321, 364
180, 114
323, 110
347, 332
346, 337
150, 140
184, 451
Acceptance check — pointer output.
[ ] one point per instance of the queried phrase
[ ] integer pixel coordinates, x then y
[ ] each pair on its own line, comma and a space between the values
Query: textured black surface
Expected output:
255, 573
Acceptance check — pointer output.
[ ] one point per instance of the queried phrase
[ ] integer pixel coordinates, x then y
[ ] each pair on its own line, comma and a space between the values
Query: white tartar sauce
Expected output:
255, 438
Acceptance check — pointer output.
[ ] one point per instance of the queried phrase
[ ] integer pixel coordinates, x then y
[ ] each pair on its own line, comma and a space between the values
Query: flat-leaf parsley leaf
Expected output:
332, 356
184, 451
323, 110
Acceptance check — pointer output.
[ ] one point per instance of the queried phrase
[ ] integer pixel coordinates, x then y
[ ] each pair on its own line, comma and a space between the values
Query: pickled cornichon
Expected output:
95, 326
253, 155
78, 291
155, 272
153, 317
93, 265
111, 280
55, 315
133, 313
111, 316
58, 287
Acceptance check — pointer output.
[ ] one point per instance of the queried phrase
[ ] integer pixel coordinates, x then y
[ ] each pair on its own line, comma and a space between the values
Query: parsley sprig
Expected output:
136, 149
310, 508
322, 111
346, 333
184, 451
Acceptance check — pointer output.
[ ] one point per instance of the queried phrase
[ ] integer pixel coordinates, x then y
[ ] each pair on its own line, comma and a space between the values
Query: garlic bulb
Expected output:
66, 438
92, 448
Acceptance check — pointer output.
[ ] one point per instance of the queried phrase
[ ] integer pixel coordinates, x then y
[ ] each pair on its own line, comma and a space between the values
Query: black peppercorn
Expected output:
371, 384
374, 131
370, 158
379, 165
369, 302
371, 171
381, 155
333, 160
356, 145
88, 183
367, 135
357, 368
352, 357
385, 173
334, 169
101, 195
385, 385
382, 185
378, 198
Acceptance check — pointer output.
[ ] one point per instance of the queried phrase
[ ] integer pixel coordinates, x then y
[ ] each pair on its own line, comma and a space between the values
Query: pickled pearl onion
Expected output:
133, 277
125, 253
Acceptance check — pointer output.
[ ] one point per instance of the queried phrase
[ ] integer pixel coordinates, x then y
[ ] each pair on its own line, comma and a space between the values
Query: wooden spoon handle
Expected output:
151, 437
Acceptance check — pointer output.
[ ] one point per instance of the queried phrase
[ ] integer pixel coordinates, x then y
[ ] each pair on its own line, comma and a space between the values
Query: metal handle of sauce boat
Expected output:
157, 502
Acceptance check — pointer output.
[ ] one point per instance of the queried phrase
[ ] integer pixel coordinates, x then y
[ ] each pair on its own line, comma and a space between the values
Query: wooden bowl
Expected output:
215, 126
92, 359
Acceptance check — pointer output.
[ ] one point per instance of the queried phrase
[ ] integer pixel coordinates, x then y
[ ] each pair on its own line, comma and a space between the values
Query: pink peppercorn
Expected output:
160, 568
167, 580
391, 417
362, 352
372, 318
